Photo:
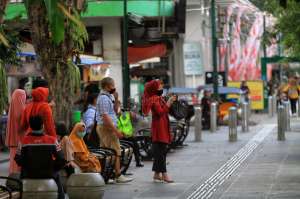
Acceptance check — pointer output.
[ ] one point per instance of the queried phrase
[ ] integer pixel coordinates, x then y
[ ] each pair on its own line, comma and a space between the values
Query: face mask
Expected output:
112, 91
160, 92
81, 134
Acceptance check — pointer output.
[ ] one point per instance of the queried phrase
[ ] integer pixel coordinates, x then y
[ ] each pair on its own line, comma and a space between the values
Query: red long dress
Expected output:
14, 132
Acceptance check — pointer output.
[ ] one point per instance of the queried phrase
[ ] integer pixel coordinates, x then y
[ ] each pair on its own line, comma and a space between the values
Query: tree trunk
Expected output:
53, 61
3, 4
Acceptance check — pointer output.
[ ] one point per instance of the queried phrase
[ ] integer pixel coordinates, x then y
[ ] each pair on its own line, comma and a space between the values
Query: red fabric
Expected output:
160, 127
39, 106
42, 139
14, 133
136, 54
149, 92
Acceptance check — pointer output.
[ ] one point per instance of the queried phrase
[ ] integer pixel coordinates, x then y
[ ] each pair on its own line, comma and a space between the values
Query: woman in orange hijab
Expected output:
83, 158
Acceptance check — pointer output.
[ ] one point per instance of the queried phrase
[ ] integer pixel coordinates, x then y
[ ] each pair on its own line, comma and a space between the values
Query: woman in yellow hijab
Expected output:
83, 158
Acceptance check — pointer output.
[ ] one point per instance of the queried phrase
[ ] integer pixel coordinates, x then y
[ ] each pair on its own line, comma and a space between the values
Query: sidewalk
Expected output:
256, 166
189, 167
272, 172
4, 156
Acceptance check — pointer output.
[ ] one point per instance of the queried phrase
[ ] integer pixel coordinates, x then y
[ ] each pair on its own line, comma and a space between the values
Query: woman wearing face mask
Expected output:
160, 128
83, 158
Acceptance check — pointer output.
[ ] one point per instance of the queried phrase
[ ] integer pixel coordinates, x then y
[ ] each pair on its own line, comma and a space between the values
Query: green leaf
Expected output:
56, 21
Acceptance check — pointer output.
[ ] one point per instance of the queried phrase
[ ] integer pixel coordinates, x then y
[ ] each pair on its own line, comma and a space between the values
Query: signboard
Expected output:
192, 59
221, 78
256, 93
95, 72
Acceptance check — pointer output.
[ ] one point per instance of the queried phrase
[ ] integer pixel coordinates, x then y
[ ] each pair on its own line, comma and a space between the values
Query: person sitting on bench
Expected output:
39, 155
83, 158
67, 147
125, 126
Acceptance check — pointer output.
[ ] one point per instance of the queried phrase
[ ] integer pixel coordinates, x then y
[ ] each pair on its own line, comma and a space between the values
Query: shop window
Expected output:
95, 43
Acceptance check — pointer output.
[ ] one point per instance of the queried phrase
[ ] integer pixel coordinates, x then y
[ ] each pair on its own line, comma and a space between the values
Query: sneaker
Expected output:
123, 179
111, 181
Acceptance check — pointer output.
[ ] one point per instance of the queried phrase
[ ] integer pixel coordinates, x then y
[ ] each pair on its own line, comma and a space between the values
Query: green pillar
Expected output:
264, 68
214, 49
125, 65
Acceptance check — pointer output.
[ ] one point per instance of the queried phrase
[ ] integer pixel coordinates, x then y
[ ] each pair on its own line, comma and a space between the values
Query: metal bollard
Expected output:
270, 106
281, 123
274, 104
245, 117
198, 124
287, 121
213, 117
232, 124
298, 107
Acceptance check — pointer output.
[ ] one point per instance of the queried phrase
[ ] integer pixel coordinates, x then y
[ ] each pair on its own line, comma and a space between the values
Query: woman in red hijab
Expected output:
160, 128
14, 132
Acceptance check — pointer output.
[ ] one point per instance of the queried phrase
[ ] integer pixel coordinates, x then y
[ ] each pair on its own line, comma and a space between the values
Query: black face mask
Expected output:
160, 92
112, 91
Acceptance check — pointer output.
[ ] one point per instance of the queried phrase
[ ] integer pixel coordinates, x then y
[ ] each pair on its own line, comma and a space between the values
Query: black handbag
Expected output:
92, 139
179, 110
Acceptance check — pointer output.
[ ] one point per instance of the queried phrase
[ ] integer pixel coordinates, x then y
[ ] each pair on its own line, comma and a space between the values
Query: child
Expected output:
67, 147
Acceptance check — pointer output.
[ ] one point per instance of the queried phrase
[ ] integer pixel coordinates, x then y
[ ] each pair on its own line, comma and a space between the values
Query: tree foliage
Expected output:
58, 35
287, 24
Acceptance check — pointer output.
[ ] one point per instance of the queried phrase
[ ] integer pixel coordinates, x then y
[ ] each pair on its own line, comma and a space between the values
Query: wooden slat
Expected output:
5, 195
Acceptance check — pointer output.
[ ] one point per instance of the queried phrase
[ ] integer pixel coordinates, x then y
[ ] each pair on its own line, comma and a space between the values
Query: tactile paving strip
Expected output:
206, 190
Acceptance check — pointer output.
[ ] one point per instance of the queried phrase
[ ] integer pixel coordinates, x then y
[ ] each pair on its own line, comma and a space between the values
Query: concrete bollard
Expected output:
270, 106
281, 123
39, 188
213, 117
245, 117
85, 186
287, 116
198, 124
232, 124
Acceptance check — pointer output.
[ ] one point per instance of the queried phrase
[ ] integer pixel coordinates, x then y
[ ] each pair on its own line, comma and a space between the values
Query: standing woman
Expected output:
14, 132
160, 128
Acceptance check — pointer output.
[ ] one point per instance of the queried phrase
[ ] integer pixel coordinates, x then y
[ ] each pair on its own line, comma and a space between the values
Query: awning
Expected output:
139, 53
146, 8
85, 59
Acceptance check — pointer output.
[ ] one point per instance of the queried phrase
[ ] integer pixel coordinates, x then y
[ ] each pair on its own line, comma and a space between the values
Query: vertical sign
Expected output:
192, 59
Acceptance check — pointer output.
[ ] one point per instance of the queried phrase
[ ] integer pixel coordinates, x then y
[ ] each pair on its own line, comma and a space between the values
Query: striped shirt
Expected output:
105, 105
89, 118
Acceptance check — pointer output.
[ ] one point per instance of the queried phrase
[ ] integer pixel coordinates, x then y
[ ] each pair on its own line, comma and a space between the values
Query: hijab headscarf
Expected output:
150, 95
78, 142
14, 132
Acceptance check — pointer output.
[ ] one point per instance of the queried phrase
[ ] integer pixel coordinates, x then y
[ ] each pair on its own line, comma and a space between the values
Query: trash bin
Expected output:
85, 186
39, 188
76, 117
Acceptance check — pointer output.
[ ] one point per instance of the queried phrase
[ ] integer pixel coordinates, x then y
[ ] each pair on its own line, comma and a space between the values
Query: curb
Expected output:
4, 161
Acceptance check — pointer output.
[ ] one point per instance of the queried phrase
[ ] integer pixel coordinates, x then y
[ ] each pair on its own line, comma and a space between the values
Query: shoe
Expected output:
123, 179
157, 180
139, 164
111, 181
167, 181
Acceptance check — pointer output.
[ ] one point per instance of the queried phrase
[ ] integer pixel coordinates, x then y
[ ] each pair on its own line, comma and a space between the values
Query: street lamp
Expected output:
125, 65
214, 49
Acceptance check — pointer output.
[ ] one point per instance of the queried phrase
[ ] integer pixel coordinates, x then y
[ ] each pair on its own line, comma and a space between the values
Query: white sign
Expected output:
192, 59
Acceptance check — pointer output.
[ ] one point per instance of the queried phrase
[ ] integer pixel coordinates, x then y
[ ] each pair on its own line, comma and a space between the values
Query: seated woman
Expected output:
66, 146
83, 158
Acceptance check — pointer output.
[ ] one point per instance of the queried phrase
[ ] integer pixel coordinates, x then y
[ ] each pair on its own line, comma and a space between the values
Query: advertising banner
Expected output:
256, 93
